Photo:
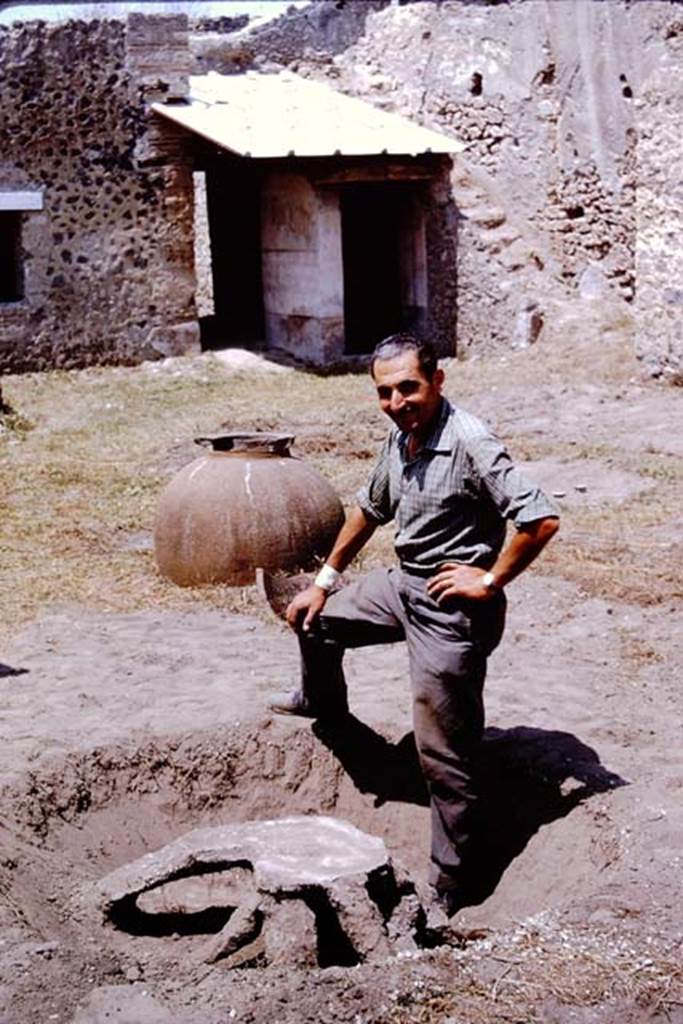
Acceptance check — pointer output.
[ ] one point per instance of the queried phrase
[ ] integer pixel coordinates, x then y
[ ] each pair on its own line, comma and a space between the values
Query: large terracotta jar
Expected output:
245, 503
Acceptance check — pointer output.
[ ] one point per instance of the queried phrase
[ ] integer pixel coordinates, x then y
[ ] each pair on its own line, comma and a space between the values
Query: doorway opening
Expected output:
11, 271
384, 258
234, 220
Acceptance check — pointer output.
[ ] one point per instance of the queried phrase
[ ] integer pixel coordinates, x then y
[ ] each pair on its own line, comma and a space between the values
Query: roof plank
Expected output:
284, 115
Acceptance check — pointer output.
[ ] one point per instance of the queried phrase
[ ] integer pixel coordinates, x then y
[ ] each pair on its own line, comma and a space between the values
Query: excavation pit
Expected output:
171, 736
87, 817
150, 850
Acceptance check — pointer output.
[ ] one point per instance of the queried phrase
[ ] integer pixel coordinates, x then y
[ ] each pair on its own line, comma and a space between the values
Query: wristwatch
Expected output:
489, 581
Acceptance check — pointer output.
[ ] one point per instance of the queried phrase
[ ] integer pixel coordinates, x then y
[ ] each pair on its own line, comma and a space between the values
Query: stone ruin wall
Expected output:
543, 95
659, 212
319, 31
441, 229
108, 260
563, 160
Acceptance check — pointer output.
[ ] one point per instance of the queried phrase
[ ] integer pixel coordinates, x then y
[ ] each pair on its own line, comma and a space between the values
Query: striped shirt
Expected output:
451, 501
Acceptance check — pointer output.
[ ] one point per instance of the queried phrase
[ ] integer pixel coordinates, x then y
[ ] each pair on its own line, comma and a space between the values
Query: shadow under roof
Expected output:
281, 115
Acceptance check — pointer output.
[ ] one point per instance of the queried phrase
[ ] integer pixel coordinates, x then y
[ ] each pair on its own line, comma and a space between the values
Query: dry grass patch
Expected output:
85, 453
541, 972
626, 551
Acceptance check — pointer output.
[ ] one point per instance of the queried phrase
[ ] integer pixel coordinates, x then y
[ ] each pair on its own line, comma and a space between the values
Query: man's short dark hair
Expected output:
397, 344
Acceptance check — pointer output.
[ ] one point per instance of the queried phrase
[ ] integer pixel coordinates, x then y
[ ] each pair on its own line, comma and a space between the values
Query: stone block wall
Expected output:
107, 261
568, 185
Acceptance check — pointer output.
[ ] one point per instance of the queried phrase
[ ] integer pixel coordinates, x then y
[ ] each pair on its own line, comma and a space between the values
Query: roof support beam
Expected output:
375, 172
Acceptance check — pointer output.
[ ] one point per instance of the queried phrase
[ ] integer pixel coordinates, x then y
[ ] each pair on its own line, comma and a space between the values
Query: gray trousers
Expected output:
447, 650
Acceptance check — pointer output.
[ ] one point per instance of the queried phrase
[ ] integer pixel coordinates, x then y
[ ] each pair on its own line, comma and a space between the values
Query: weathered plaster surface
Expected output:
202, 248
302, 267
544, 95
659, 213
546, 185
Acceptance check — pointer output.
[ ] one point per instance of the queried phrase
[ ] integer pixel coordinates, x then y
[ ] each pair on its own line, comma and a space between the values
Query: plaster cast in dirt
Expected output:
316, 891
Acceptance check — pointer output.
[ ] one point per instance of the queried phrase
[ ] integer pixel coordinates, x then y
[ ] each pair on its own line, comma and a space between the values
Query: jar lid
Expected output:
274, 444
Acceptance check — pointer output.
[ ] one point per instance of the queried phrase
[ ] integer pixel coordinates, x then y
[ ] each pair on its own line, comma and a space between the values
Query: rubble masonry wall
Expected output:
108, 260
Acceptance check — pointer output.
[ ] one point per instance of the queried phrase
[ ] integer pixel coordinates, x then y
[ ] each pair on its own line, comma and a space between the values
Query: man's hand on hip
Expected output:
306, 607
457, 580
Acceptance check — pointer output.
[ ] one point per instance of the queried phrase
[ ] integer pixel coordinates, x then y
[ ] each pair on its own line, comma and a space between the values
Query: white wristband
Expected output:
327, 577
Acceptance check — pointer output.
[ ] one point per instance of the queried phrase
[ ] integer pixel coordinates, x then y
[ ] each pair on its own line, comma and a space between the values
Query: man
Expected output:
450, 486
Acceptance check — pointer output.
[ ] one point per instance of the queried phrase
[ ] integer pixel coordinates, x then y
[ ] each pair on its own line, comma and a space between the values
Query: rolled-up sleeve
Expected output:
375, 498
513, 494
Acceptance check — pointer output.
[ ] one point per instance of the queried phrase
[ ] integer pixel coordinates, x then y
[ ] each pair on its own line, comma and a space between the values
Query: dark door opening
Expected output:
11, 276
379, 233
234, 213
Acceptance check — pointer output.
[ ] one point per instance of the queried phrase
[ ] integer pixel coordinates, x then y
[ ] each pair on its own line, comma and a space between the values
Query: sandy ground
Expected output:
120, 732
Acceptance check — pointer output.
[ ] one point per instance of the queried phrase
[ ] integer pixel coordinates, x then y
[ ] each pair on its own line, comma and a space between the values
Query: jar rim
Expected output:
254, 441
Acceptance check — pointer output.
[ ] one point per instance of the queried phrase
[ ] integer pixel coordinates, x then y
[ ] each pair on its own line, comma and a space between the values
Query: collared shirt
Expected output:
451, 500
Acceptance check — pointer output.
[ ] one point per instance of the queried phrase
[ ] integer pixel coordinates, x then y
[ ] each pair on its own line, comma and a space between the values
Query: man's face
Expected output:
405, 394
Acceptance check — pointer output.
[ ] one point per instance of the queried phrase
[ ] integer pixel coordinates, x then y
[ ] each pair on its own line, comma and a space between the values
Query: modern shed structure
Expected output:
320, 211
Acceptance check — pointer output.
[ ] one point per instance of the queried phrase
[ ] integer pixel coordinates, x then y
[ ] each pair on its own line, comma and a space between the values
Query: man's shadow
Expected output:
528, 777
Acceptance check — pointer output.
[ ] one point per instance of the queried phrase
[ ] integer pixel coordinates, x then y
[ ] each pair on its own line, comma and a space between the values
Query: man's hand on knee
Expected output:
306, 607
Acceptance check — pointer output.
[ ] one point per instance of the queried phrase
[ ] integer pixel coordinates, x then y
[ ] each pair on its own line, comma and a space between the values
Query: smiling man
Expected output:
450, 487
